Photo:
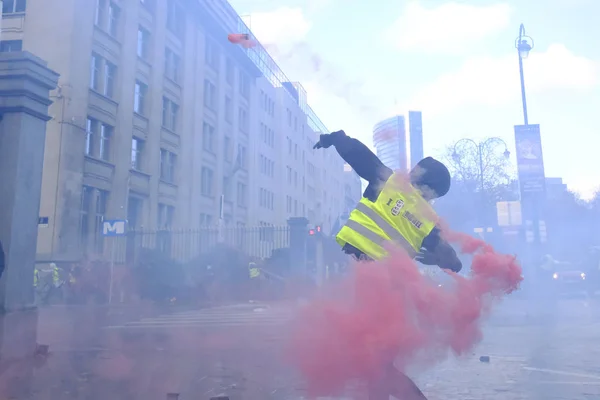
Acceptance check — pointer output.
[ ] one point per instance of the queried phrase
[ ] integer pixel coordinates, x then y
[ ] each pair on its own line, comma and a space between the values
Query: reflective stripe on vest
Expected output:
395, 236
396, 217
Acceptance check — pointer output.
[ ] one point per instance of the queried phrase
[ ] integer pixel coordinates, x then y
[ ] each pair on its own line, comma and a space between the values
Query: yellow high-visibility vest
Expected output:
400, 218
254, 271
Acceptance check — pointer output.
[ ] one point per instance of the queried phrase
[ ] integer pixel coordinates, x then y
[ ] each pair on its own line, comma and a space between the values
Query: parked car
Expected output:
569, 278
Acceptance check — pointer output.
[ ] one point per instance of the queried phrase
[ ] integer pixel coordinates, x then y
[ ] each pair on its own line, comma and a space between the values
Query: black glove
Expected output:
426, 257
327, 139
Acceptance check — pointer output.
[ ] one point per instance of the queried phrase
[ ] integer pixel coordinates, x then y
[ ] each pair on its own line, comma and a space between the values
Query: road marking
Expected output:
578, 383
565, 373
231, 316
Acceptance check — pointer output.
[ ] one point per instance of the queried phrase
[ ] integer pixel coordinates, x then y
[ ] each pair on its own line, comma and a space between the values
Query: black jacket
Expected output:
370, 168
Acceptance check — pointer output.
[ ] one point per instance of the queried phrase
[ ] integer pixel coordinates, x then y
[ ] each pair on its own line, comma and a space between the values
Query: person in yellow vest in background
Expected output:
36, 277
255, 275
55, 276
389, 213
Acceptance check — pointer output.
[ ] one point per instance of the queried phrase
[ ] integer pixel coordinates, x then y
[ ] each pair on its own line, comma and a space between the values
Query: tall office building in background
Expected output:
390, 141
397, 147
415, 129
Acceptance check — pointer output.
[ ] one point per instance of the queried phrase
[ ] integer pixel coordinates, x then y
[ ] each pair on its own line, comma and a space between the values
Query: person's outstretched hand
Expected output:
326, 139
426, 257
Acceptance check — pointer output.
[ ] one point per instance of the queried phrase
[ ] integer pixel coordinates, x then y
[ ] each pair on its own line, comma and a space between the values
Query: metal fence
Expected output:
186, 245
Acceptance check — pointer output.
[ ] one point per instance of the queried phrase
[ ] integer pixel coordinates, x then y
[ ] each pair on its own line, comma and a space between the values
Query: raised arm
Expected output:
357, 155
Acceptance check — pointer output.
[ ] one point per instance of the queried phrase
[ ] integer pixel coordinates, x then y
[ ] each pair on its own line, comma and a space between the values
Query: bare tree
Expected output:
475, 166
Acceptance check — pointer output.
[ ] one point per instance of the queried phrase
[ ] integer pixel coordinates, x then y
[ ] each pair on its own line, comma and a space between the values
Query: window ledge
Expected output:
173, 185
14, 14
144, 61
108, 35
138, 172
173, 81
141, 116
103, 96
99, 161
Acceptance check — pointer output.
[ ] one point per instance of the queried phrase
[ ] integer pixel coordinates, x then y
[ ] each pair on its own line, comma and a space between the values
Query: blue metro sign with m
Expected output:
114, 227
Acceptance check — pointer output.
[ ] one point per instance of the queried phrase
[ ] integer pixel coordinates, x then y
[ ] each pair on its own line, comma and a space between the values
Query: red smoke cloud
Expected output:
388, 310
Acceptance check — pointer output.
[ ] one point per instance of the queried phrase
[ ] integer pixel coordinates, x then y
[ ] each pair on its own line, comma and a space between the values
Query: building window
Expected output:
143, 43
11, 46
110, 72
101, 206
242, 156
170, 112
114, 13
208, 137
137, 149
289, 145
102, 76
84, 215
268, 135
96, 68
165, 216
289, 174
175, 18
134, 211
227, 153
229, 71
206, 183
149, 4
205, 220
288, 204
167, 165
210, 95
242, 194
139, 98
100, 15
266, 198
93, 202
289, 116
243, 119
226, 188
172, 65
228, 109
244, 86
106, 132
266, 166
13, 6
211, 54
97, 139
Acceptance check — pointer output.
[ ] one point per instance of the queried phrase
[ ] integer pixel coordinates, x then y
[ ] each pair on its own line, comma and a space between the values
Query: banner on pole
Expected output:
530, 161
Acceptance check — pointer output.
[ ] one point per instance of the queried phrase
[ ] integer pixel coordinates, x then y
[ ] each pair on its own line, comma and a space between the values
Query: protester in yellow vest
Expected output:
254, 271
398, 213
388, 213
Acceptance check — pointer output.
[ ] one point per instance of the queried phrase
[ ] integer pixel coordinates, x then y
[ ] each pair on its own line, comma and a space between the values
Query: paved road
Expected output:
204, 353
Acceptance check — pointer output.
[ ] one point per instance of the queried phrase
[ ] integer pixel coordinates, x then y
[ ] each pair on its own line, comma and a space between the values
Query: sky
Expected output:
455, 61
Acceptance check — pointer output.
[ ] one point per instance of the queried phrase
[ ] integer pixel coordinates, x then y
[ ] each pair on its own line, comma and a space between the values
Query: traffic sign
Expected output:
114, 227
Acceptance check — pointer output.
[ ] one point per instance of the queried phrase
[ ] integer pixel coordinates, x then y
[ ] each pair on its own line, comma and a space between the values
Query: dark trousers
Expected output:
393, 382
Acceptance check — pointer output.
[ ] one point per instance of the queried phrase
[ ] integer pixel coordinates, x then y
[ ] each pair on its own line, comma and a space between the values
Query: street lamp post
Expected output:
532, 203
480, 147
523, 44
